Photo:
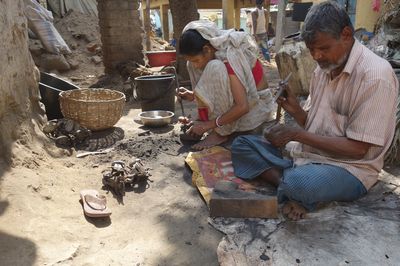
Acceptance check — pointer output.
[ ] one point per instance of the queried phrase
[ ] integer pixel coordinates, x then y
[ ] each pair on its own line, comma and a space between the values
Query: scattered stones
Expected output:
91, 47
35, 47
73, 63
96, 59
264, 257
73, 46
35, 188
54, 62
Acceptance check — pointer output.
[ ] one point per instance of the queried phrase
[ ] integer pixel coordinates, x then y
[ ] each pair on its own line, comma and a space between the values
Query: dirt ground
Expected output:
161, 222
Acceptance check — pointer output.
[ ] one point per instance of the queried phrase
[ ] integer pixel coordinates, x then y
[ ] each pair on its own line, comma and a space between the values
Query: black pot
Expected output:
50, 88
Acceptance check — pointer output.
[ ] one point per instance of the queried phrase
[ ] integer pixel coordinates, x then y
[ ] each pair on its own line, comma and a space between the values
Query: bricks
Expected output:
232, 202
121, 31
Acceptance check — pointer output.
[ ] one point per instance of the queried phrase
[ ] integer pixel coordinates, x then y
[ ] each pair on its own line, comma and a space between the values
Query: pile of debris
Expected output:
386, 43
121, 176
66, 132
81, 33
159, 44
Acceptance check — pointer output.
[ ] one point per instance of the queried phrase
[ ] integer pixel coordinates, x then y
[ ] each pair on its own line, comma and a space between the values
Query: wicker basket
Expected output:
95, 109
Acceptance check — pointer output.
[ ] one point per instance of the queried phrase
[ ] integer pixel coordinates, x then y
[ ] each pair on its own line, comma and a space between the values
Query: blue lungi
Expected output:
306, 184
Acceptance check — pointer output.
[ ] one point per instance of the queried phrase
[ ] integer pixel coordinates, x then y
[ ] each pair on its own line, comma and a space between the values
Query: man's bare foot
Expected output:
294, 211
211, 140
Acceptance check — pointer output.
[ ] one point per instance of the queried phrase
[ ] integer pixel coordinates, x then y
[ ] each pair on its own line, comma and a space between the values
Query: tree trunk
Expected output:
19, 94
182, 13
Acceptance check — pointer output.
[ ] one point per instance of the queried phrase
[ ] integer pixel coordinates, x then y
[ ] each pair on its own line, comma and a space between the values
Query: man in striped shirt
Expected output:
345, 128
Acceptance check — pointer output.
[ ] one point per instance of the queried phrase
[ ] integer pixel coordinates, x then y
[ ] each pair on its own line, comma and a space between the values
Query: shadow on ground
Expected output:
191, 239
365, 232
196, 235
15, 250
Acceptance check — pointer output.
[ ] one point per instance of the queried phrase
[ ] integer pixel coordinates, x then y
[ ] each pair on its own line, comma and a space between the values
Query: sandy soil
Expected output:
159, 222
163, 222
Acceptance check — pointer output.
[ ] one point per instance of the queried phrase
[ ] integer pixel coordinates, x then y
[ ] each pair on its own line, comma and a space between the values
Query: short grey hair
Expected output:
327, 17
259, 2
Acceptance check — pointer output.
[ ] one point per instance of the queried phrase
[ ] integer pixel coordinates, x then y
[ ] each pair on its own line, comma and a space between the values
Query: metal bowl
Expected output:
156, 118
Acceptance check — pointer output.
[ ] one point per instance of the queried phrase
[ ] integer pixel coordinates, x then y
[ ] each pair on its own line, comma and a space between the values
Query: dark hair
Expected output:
191, 43
259, 2
326, 17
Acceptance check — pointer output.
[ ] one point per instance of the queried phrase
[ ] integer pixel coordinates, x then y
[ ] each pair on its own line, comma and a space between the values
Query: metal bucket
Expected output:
155, 92
50, 88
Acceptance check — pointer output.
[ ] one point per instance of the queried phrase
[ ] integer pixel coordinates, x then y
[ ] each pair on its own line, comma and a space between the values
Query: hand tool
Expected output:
281, 92
177, 84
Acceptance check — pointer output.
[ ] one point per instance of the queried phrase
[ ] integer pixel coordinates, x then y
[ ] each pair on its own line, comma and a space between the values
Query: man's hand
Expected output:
289, 102
280, 135
185, 94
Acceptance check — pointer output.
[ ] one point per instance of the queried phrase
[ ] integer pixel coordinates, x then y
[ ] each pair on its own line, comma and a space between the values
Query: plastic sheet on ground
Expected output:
365, 232
212, 165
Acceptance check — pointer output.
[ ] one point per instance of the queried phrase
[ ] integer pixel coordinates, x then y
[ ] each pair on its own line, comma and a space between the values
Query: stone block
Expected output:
229, 201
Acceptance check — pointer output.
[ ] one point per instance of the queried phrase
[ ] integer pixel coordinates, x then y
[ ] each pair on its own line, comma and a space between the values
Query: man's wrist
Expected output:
298, 134
298, 110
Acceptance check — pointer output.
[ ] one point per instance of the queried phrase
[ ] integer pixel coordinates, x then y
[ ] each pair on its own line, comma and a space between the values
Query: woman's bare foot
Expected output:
294, 211
213, 139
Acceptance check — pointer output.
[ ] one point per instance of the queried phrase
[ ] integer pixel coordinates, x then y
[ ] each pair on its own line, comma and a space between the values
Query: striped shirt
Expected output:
359, 104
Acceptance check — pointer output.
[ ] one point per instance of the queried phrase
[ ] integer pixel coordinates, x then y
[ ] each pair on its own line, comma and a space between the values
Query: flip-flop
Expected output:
94, 205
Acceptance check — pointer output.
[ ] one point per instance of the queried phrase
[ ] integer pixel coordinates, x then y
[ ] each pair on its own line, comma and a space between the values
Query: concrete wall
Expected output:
365, 16
121, 32
19, 92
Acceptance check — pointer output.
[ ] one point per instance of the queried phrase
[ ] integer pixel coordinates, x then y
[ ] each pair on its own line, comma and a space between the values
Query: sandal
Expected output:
94, 205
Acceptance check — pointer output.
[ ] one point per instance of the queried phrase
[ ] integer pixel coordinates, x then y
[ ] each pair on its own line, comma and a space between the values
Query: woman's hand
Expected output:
184, 120
200, 127
185, 94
